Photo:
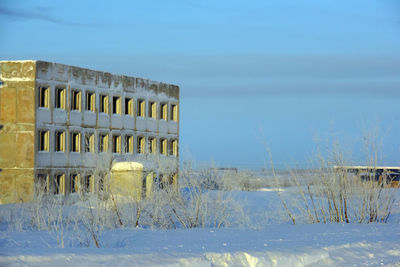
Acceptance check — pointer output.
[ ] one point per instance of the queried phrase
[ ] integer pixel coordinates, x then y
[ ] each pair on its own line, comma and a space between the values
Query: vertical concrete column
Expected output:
17, 138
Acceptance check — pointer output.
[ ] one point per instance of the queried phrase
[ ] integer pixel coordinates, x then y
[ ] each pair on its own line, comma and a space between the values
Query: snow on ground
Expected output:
275, 244
280, 245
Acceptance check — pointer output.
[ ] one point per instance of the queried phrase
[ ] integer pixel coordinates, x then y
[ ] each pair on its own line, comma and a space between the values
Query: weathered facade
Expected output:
66, 127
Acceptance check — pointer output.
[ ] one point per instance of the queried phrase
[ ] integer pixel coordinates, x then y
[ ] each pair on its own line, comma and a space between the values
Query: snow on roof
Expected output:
127, 166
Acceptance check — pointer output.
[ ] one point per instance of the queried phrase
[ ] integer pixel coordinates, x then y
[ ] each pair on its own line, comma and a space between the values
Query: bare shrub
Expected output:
38, 220
93, 222
328, 194
14, 216
191, 205
187, 204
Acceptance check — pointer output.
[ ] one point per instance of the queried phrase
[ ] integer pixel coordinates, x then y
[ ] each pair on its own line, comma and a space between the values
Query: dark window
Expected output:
60, 98
59, 184
116, 105
75, 100
44, 97
90, 101
104, 103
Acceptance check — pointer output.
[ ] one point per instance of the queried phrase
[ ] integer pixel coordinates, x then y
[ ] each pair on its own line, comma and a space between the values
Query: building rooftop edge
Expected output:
113, 74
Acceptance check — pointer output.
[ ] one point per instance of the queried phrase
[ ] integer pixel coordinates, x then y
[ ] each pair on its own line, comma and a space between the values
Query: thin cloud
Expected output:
31, 15
260, 75
380, 89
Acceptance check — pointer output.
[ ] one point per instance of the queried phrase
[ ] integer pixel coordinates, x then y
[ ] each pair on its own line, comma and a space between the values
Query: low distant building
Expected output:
387, 174
65, 128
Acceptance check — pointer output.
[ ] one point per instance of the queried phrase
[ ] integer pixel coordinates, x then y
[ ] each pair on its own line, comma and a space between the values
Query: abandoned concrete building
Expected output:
67, 128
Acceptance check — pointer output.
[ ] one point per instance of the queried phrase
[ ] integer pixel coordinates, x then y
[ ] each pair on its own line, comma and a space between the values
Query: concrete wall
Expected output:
22, 118
56, 75
17, 138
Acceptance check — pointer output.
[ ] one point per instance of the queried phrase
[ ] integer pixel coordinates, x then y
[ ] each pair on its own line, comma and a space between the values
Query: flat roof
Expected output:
105, 77
369, 168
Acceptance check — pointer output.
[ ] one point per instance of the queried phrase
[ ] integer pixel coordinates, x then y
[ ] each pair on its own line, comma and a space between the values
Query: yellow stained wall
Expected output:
17, 138
127, 184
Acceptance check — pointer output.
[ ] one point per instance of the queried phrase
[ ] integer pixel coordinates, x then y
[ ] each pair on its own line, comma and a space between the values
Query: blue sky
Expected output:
291, 74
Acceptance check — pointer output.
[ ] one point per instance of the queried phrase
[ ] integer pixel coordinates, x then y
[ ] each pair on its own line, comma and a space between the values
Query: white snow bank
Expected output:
281, 245
275, 243
356, 254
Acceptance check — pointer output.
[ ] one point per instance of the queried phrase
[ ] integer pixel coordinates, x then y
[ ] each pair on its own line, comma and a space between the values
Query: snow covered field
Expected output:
270, 241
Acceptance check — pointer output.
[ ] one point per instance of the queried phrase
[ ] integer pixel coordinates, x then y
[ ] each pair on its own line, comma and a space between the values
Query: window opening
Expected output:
163, 146
88, 183
174, 112
103, 143
74, 183
116, 105
140, 145
164, 111
44, 140
59, 184
60, 98
44, 97
42, 183
90, 101
152, 145
153, 110
75, 100
75, 142
173, 148
129, 106
129, 144
89, 142
141, 108
60, 141
104, 103
116, 144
